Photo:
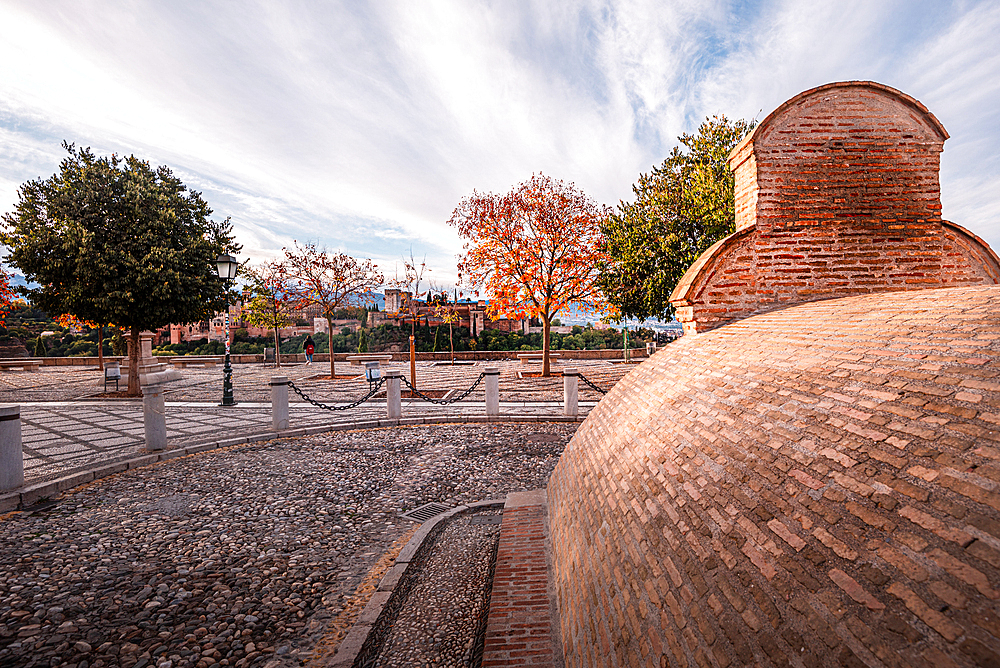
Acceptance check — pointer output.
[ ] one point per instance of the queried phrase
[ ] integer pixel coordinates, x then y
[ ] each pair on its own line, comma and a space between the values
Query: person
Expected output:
310, 347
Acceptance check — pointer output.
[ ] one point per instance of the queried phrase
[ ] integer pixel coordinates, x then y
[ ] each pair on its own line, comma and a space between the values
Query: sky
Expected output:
360, 126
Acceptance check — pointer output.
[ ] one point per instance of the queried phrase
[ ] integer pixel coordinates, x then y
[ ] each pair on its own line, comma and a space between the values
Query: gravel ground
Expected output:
244, 556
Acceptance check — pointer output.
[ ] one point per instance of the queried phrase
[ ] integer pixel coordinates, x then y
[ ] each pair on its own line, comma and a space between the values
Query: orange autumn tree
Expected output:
535, 250
331, 281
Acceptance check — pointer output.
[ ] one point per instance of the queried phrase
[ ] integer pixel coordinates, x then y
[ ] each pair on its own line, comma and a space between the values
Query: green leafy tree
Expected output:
39, 347
681, 208
111, 239
362, 340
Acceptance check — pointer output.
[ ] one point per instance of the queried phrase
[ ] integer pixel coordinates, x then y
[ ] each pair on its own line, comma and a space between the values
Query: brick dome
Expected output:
815, 486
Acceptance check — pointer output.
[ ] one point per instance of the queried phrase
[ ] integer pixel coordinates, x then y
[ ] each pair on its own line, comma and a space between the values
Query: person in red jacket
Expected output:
310, 347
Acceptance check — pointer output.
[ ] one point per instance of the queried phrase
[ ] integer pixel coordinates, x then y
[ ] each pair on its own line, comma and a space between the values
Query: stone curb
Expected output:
352, 644
29, 495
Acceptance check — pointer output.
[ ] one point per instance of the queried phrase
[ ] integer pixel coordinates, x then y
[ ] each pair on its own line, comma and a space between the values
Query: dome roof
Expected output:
817, 485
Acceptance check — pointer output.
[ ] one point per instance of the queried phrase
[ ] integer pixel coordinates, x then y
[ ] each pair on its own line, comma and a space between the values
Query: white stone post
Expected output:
154, 417
11, 454
279, 403
570, 392
492, 390
392, 394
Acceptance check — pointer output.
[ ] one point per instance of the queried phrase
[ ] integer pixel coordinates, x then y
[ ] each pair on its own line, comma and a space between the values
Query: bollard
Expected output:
279, 403
392, 395
492, 390
154, 417
11, 453
570, 392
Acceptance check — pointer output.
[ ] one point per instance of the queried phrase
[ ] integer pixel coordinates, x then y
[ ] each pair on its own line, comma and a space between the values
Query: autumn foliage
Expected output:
534, 250
272, 298
7, 296
329, 280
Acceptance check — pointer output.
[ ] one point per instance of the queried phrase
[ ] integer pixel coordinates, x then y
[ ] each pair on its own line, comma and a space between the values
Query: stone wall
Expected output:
837, 193
814, 486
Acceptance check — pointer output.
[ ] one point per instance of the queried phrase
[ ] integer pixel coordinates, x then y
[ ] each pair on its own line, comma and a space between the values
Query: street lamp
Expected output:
227, 266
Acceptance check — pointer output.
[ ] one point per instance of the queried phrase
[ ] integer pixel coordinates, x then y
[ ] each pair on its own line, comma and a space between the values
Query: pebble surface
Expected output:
439, 617
243, 556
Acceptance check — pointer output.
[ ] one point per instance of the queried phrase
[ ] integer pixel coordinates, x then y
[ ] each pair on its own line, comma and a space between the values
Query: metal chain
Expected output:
444, 402
587, 381
357, 403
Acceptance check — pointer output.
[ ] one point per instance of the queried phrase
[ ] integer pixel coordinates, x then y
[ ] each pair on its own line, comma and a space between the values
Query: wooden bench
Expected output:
358, 360
184, 362
23, 365
528, 358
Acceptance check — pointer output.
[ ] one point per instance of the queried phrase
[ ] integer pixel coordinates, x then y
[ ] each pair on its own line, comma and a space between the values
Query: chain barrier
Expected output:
593, 387
444, 402
357, 403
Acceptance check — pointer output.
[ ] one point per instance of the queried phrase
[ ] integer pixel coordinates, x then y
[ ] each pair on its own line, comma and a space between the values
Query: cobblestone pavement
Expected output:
61, 435
243, 556
439, 619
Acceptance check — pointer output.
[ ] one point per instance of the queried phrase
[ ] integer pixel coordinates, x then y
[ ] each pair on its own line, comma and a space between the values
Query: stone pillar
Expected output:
570, 392
11, 454
392, 394
279, 403
154, 417
492, 391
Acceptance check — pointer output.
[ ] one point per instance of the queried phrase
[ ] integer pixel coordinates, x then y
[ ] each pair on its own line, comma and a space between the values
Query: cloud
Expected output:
361, 126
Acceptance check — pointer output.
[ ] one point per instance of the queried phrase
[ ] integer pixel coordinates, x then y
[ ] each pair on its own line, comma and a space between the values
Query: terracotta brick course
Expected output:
737, 501
837, 194
519, 627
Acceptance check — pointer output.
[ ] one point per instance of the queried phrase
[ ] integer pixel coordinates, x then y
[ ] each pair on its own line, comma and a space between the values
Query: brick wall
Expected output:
837, 193
818, 485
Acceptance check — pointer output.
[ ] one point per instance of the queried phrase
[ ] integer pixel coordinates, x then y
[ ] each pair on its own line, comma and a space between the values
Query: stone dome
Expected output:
817, 485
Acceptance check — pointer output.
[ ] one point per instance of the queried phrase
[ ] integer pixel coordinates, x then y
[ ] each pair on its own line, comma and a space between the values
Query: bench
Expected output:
358, 360
23, 365
184, 362
528, 358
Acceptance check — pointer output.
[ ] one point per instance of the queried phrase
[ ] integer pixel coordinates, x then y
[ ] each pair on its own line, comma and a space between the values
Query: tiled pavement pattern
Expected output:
61, 435
815, 486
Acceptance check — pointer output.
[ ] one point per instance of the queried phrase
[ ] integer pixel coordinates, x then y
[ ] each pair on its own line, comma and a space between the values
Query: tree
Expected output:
39, 346
362, 340
681, 208
410, 282
272, 299
113, 240
68, 320
535, 250
331, 281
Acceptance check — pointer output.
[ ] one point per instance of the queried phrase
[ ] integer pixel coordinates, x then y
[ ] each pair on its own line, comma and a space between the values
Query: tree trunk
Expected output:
277, 352
545, 346
451, 339
329, 339
100, 348
133, 363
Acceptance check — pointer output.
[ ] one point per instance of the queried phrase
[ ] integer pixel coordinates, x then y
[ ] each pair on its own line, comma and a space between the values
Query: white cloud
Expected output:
361, 126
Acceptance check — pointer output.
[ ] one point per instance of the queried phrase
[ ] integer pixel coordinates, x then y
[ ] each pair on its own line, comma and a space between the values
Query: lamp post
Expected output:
227, 266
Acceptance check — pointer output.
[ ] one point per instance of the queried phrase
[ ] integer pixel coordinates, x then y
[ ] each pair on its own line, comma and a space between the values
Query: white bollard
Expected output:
392, 394
492, 390
570, 392
279, 403
154, 417
11, 453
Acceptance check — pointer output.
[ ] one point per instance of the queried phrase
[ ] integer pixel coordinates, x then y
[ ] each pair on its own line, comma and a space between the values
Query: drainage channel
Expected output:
433, 610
